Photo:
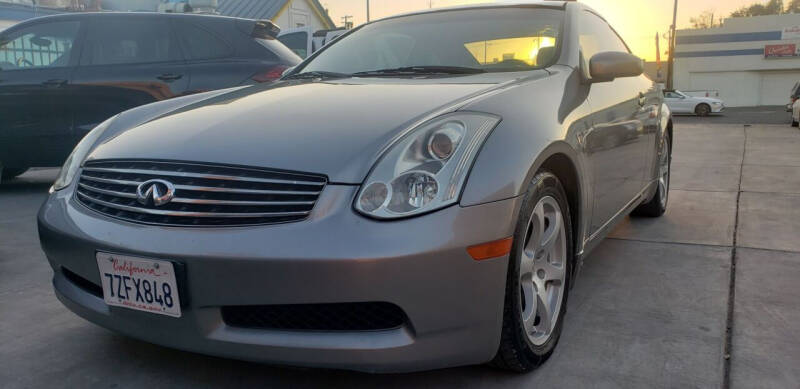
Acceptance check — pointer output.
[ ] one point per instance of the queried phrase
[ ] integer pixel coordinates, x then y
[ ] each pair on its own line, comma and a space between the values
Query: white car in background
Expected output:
796, 113
679, 102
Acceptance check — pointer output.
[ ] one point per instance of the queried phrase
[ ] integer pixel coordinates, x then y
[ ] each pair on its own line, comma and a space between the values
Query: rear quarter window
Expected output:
199, 43
277, 51
297, 42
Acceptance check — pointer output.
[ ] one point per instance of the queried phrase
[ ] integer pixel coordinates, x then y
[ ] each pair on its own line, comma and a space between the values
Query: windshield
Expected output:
488, 39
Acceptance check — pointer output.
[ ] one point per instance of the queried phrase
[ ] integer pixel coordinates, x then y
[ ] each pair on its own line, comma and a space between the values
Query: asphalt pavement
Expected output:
705, 297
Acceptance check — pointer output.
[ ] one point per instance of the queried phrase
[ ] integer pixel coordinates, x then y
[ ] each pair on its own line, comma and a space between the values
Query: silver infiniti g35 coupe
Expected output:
419, 194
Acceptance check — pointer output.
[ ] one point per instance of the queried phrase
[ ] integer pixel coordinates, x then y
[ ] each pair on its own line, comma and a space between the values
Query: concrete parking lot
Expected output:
705, 297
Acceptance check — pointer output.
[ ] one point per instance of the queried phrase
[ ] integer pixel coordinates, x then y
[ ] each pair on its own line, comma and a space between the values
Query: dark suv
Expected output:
62, 75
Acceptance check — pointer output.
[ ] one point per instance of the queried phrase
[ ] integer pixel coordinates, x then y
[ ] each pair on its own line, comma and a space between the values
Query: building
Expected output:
15, 11
750, 61
285, 13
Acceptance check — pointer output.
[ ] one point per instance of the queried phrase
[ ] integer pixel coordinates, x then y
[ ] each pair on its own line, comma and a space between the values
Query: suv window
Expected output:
39, 46
297, 42
128, 41
199, 43
596, 36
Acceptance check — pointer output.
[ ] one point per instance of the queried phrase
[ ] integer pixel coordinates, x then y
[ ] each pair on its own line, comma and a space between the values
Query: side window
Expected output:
596, 36
297, 42
199, 43
128, 41
40, 46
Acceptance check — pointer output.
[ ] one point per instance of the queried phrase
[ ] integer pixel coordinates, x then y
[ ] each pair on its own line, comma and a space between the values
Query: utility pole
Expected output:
346, 20
658, 58
671, 67
367, 11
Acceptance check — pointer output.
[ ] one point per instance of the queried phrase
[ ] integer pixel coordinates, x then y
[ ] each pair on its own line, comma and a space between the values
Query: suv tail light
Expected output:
270, 75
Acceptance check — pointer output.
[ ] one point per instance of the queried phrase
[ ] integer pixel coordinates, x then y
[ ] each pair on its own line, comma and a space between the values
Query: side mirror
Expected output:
607, 66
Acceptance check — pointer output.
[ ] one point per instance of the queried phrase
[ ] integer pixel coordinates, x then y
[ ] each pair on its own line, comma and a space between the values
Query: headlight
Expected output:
426, 168
67, 173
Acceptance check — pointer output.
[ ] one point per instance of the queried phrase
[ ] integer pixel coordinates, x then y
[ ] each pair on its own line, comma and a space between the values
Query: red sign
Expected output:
780, 51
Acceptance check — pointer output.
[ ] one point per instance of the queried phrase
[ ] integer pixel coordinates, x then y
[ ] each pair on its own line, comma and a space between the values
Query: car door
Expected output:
616, 144
674, 102
127, 61
687, 103
36, 62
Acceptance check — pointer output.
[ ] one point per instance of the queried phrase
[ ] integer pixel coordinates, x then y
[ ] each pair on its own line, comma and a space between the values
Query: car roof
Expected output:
113, 14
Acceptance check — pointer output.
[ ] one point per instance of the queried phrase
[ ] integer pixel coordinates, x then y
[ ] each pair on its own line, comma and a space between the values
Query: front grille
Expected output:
205, 195
316, 317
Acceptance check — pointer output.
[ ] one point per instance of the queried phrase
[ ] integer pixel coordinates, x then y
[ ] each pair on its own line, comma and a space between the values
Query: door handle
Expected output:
169, 77
55, 82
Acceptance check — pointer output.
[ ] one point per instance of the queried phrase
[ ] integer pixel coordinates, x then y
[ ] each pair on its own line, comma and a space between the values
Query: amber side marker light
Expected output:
491, 250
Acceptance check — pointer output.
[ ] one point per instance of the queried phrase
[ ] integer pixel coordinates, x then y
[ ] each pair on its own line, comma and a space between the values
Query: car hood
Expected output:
336, 128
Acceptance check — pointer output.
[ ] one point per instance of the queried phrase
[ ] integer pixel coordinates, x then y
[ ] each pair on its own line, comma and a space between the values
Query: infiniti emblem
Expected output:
159, 191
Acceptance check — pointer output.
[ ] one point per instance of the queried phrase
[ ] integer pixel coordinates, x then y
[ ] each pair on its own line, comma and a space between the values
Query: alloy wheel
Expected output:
543, 267
663, 180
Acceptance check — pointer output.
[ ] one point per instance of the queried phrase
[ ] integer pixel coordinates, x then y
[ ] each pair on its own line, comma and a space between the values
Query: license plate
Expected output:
137, 283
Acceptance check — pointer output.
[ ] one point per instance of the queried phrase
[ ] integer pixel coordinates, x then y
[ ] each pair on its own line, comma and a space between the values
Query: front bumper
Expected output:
453, 304
717, 108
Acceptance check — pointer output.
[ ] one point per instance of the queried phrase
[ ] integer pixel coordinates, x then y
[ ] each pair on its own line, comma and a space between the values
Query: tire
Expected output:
658, 205
795, 123
702, 110
9, 173
545, 201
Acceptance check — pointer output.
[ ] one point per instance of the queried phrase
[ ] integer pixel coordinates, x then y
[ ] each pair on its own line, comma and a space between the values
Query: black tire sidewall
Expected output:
703, 110
544, 184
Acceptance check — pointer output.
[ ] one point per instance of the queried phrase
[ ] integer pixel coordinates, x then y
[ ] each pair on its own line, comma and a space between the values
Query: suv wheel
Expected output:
539, 273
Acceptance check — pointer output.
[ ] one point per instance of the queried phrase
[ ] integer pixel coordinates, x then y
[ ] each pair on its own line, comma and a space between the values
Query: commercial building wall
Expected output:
733, 59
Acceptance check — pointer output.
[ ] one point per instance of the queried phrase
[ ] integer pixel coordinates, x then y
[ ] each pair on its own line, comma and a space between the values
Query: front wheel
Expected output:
795, 123
703, 110
538, 279
658, 205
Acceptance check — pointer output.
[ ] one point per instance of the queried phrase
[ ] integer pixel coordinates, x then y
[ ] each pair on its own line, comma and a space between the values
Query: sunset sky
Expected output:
636, 20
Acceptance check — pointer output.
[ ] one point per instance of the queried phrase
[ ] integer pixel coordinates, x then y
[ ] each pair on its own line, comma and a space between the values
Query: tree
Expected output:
772, 7
706, 20
793, 7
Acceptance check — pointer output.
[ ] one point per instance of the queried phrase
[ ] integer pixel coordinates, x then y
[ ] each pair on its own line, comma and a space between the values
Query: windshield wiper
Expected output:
316, 74
415, 70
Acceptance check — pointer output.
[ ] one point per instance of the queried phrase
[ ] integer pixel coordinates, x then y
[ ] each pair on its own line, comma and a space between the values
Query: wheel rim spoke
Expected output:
545, 313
